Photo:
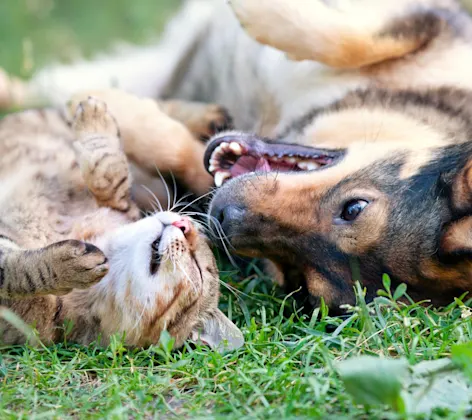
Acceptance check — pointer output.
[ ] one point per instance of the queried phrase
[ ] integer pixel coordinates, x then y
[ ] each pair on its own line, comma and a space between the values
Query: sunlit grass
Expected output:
287, 368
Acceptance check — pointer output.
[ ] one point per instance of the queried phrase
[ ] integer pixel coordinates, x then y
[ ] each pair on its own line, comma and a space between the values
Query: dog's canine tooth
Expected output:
236, 148
308, 166
220, 177
312, 166
214, 157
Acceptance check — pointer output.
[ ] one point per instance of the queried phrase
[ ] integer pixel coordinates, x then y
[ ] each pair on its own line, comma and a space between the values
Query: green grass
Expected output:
287, 368
34, 32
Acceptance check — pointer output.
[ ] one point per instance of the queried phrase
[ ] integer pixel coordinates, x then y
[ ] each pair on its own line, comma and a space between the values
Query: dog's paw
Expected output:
206, 120
215, 120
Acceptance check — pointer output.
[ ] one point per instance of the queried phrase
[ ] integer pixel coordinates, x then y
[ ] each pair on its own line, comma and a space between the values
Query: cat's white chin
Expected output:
132, 281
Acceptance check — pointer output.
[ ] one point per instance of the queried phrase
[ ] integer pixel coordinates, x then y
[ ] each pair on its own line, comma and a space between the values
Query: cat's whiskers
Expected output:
180, 202
165, 186
174, 183
138, 321
155, 198
191, 282
196, 200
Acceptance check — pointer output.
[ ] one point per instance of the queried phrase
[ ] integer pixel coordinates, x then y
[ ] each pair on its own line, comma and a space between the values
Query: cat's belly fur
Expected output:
45, 193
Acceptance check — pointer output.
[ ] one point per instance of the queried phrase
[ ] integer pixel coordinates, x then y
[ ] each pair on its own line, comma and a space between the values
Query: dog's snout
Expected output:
228, 215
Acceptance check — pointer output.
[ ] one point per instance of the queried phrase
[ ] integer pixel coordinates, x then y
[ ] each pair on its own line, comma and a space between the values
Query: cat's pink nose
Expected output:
183, 224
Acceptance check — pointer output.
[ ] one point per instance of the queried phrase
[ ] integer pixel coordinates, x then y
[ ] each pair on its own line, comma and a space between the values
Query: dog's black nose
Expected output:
228, 215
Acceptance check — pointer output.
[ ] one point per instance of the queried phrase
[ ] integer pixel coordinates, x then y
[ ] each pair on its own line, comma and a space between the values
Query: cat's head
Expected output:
163, 276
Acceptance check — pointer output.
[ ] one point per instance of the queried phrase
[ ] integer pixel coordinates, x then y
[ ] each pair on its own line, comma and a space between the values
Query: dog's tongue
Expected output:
263, 165
247, 164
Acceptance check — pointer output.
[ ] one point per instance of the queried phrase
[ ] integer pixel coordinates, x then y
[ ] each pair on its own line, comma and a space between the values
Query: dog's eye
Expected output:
352, 209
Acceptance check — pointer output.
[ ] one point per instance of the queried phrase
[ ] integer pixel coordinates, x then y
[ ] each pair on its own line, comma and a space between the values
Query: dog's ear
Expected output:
457, 238
462, 189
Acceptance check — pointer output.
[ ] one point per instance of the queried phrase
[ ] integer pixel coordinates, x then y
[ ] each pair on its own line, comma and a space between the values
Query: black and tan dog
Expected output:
362, 111
376, 182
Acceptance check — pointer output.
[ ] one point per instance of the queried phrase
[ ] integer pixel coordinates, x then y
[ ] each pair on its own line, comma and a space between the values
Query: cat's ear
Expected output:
219, 333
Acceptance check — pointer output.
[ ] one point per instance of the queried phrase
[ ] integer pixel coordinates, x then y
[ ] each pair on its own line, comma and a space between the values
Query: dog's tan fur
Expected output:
65, 182
387, 82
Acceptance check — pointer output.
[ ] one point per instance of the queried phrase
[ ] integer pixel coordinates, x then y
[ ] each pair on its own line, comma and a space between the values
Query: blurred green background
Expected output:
36, 32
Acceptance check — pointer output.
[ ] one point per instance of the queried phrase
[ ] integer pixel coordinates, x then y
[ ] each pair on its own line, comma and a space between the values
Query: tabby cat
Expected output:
72, 245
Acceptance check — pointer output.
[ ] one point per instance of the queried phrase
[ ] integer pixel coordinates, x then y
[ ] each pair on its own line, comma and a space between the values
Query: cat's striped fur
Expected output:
72, 247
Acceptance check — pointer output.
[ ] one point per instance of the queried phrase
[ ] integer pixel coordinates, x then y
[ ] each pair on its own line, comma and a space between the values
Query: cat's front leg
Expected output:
99, 152
154, 141
55, 269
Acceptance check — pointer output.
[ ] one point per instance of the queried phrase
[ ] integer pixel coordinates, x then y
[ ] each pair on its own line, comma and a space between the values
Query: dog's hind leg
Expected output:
352, 36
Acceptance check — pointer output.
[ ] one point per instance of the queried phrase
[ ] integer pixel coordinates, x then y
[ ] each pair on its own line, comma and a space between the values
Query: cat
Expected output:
73, 247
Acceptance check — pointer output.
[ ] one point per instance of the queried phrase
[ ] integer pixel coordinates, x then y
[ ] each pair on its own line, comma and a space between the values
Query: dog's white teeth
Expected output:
236, 148
224, 146
214, 162
220, 177
212, 168
291, 160
308, 166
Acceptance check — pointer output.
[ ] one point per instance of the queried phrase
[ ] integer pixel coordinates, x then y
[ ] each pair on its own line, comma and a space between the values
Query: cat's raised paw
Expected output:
77, 265
92, 116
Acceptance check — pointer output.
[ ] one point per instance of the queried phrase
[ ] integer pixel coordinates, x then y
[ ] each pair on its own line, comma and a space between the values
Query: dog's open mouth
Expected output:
232, 155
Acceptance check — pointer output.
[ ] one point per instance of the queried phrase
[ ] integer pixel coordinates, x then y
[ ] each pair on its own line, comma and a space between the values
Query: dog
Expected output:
354, 151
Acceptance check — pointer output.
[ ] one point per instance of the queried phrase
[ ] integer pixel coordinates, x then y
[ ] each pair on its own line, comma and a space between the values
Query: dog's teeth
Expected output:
308, 166
236, 148
220, 177
218, 151
291, 160
224, 146
212, 168
214, 162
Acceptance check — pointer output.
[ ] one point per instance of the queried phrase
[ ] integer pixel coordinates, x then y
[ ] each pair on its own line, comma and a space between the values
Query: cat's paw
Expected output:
92, 116
77, 265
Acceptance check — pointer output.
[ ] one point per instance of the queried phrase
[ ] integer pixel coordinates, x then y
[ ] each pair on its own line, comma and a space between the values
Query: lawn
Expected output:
290, 365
